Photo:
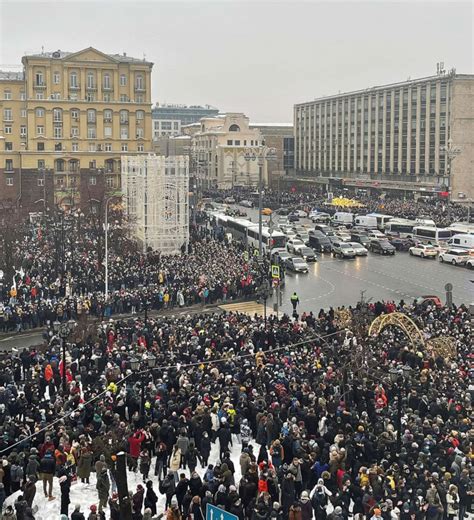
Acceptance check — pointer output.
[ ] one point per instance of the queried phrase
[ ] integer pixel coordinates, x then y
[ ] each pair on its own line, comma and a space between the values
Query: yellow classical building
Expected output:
66, 120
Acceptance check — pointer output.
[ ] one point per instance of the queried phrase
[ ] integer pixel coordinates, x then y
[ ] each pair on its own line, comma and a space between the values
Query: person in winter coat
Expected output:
191, 457
173, 512
161, 461
205, 448
181, 488
306, 507
195, 511
221, 498
244, 461
237, 509
452, 501
135, 446
47, 469
276, 453
103, 487
225, 437
137, 500
20, 507
9, 514
245, 433
93, 515
65, 485
195, 484
145, 462
3, 495
84, 465
183, 445
77, 514
150, 498
295, 512
168, 487
32, 467
16, 475
175, 461
287, 493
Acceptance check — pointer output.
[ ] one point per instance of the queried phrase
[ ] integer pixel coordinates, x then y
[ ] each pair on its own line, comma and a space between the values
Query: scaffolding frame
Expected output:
156, 195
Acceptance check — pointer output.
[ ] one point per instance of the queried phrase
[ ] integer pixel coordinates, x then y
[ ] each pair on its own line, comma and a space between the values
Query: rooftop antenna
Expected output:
42, 49
144, 57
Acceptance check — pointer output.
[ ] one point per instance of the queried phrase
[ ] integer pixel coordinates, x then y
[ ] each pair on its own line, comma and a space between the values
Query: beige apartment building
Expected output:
66, 120
219, 149
391, 137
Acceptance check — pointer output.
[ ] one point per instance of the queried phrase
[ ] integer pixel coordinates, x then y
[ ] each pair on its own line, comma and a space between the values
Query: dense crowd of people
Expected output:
293, 419
66, 280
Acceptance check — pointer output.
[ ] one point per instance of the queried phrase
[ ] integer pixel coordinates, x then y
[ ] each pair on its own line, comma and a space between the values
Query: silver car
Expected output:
359, 249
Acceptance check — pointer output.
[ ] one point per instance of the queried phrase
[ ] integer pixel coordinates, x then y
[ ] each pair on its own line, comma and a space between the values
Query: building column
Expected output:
437, 126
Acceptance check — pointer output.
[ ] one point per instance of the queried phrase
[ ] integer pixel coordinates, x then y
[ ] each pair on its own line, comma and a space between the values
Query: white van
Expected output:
462, 241
343, 217
364, 221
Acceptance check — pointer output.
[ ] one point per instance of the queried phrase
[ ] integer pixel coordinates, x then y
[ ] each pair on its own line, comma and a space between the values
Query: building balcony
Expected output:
39, 86
140, 89
124, 121
74, 88
91, 89
107, 89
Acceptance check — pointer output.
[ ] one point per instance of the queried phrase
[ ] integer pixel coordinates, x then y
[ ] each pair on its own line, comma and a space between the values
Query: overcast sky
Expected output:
247, 56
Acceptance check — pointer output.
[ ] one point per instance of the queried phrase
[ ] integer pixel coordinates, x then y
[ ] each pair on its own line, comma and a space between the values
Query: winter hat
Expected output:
93, 508
304, 495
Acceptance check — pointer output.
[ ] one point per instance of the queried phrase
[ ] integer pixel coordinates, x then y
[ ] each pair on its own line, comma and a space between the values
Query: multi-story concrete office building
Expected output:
168, 119
391, 137
67, 119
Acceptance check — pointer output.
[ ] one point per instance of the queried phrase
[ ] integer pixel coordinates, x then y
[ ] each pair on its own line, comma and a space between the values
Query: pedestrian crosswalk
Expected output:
250, 308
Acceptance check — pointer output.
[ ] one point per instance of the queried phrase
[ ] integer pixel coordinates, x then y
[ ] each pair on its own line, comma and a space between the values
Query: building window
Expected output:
9, 165
91, 116
39, 79
92, 147
23, 95
237, 143
234, 128
40, 147
91, 134
108, 116
109, 181
23, 130
58, 132
108, 147
7, 95
124, 133
106, 80
56, 78
123, 117
41, 164
176, 125
139, 82
23, 112
123, 98
39, 95
40, 112
123, 80
75, 114
141, 148
107, 131
106, 98
140, 115
8, 129
7, 114
92, 180
90, 97
59, 165
56, 95
139, 133
57, 115
229, 142
75, 147
90, 80
58, 147
8, 146
41, 181
9, 181
59, 181
73, 80
74, 131
124, 147
139, 98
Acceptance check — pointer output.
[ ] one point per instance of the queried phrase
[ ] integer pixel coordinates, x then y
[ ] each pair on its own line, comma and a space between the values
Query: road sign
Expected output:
275, 271
216, 513
448, 287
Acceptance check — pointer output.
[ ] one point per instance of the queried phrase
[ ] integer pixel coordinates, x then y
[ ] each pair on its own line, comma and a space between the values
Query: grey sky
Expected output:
254, 57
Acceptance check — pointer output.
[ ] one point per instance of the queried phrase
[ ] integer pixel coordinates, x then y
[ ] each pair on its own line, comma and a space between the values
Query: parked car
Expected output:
293, 217
294, 244
342, 235
303, 236
323, 228
307, 254
359, 249
382, 247
301, 213
279, 256
455, 256
229, 200
470, 263
361, 238
246, 203
401, 244
283, 211
318, 216
375, 234
319, 241
267, 211
423, 251
296, 264
343, 250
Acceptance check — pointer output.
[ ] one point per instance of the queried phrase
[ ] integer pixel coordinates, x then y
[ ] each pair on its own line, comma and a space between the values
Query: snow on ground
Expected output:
86, 494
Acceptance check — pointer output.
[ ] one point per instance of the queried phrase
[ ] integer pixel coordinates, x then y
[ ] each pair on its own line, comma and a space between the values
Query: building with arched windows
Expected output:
67, 119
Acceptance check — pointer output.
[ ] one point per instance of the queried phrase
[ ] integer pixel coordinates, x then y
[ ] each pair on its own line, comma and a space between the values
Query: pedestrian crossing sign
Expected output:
275, 271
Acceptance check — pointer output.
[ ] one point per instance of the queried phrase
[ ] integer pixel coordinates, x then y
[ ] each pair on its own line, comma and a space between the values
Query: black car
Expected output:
319, 241
293, 217
382, 247
362, 238
401, 244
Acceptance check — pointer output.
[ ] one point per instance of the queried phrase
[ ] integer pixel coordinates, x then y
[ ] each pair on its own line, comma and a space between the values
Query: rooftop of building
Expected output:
450, 75
185, 107
60, 55
6, 75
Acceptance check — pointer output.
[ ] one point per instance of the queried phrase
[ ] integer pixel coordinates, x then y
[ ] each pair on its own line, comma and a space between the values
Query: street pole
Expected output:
142, 401
63, 345
260, 206
122, 487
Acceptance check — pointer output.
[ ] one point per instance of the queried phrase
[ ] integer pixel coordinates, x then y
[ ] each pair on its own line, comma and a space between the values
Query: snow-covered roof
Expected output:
11, 76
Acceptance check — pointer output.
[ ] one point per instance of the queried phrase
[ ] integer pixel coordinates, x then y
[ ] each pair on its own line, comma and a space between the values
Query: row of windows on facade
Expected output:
91, 132
90, 97
236, 142
75, 114
166, 125
92, 181
91, 80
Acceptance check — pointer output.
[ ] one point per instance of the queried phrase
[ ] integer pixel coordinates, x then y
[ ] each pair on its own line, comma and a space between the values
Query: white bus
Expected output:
238, 227
402, 227
269, 240
366, 221
462, 228
432, 235
381, 219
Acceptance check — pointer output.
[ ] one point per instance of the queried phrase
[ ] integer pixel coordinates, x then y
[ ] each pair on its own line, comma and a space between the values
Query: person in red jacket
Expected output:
135, 447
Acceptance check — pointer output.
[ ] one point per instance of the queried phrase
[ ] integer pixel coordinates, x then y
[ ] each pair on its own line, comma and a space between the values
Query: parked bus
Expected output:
381, 219
462, 228
401, 227
238, 227
269, 240
432, 235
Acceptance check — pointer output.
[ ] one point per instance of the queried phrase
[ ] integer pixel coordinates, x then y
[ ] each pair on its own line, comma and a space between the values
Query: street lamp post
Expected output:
64, 329
451, 152
399, 377
262, 153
